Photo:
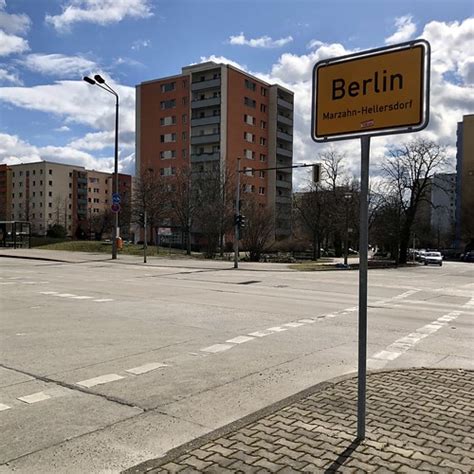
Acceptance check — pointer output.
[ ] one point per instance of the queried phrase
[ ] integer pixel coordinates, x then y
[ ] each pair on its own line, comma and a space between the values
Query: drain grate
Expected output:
248, 282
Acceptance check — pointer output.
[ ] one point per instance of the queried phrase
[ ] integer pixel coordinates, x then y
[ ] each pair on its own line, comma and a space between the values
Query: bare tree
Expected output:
409, 170
259, 231
150, 196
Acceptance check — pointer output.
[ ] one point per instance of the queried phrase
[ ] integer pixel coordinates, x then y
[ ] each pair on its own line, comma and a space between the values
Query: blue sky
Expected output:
46, 46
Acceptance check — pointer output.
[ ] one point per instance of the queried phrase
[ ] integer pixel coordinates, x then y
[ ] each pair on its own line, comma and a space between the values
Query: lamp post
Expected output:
347, 198
99, 81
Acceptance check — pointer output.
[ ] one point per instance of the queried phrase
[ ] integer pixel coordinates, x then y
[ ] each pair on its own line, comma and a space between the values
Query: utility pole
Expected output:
145, 237
237, 213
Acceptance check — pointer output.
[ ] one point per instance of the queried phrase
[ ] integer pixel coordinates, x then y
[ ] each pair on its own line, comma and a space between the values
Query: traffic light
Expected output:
316, 173
239, 220
242, 221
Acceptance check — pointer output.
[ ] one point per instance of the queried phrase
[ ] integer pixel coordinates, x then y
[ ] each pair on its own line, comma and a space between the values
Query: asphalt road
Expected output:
104, 364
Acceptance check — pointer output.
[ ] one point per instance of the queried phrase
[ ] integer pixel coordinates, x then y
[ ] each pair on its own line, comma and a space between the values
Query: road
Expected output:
105, 364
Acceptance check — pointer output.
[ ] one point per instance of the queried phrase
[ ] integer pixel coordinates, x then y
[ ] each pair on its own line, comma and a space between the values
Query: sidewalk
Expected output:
418, 420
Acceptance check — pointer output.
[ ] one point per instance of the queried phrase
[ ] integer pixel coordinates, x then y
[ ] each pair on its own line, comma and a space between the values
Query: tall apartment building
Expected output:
46, 193
465, 181
215, 114
5, 192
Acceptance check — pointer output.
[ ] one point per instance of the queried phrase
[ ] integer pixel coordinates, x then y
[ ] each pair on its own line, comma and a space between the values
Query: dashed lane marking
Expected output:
293, 325
240, 339
99, 380
4, 407
35, 397
277, 329
217, 348
82, 297
75, 297
143, 369
103, 300
259, 333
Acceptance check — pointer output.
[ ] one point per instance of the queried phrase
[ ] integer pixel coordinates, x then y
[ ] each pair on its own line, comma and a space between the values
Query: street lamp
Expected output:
100, 82
347, 199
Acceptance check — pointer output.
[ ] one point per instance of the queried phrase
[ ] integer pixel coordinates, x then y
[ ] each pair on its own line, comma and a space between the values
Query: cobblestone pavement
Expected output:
418, 420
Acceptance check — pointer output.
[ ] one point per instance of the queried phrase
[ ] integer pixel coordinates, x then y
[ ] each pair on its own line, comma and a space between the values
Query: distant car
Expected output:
433, 258
468, 256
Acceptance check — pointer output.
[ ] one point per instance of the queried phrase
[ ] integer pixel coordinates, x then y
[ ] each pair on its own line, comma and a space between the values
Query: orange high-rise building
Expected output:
216, 113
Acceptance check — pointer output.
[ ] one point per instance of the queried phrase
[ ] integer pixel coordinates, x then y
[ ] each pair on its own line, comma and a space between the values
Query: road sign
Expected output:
115, 207
165, 231
116, 198
376, 92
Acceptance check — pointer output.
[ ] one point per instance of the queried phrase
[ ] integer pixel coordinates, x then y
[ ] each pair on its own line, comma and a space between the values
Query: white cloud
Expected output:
9, 76
13, 23
101, 12
11, 44
58, 65
64, 128
139, 44
262, 42
405, 30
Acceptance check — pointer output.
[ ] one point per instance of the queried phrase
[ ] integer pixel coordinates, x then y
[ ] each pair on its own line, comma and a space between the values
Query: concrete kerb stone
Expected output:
221, 432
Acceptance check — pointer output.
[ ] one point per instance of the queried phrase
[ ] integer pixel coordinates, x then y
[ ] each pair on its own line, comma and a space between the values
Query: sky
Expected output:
47, 112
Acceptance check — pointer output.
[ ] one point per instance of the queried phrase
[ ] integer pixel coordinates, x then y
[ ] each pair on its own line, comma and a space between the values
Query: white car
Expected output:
433, 258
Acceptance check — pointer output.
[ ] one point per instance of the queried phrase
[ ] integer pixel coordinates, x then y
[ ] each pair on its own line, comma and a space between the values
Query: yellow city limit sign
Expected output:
375, 92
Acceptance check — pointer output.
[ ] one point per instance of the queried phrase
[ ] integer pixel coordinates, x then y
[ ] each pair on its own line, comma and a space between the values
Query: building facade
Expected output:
46, 193
213, 115
465, 182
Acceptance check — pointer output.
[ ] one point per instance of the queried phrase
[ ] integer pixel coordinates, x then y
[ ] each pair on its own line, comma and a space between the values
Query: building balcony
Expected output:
196, 158
284, 152
82, 201
285, 136
283, 199
284, 103
211, 102
209, 138
283, 184
195, 122
81, 180
202, 85
284, 120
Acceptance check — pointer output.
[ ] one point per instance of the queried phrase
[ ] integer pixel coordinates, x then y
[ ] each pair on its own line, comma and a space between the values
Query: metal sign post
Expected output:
237, 212
363, 266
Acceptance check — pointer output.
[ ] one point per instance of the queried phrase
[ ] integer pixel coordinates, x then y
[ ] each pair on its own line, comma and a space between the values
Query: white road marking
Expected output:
103, 300
277, 329
65, 295
99, 380
48, 292
259, 333
307, 321
35, 397
217, 348
293, 325
240, 339
82, 297
4, 407
7, 283
143, 369
402, 345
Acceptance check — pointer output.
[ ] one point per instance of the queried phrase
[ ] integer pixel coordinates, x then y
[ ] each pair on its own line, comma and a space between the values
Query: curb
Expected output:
146, 466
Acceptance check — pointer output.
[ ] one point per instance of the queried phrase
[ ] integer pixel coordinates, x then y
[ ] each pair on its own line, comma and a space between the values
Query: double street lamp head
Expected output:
97, 80
89, 80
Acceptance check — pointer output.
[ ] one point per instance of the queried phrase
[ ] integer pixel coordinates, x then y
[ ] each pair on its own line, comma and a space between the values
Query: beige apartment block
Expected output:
42, 193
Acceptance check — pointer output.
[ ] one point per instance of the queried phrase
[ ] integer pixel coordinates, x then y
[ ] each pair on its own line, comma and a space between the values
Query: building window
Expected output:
185, 118
168, 137
249, 137
184, 136
250, 85
261, 190
50, 183
263, 108
263, 141
263, 91
261, 174
168, 104
183, 153
170, 120
170, 86
50, 171
263, 124
34, 183
250, 102
20, 195
263, 157
167, 154
41, 171
184, 100
248, 119
70, 174
185, 83
50, 204
50, 194
170, 171
248, 171
249, 154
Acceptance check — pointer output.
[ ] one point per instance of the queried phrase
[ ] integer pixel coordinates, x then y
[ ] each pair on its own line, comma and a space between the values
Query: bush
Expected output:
56, 232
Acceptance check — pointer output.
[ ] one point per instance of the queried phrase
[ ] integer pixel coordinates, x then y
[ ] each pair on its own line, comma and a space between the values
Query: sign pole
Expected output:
145, 230
237, 212
363, 266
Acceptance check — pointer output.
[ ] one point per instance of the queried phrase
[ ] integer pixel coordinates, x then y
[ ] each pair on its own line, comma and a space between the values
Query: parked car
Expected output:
468, 256
433, 258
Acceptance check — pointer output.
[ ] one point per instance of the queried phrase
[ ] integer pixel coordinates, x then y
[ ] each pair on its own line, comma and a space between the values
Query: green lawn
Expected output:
105, 247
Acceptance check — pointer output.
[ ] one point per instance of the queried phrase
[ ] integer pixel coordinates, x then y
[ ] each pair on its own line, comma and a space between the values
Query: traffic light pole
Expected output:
237, 212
